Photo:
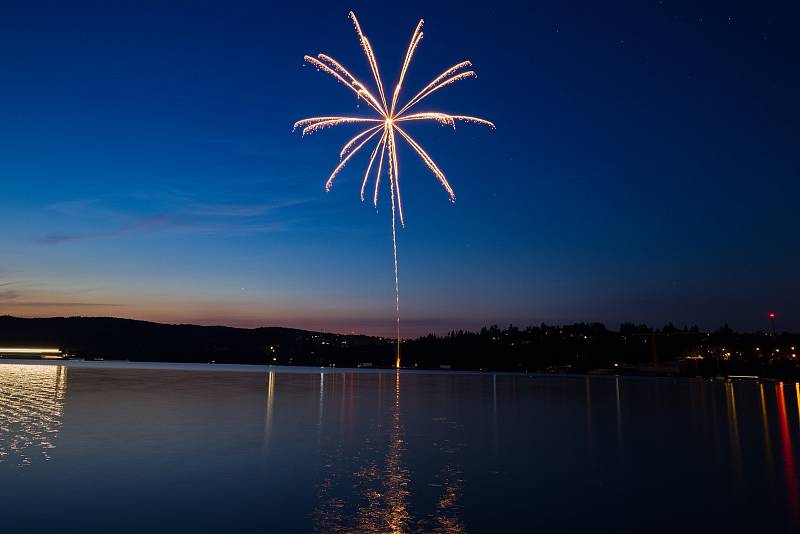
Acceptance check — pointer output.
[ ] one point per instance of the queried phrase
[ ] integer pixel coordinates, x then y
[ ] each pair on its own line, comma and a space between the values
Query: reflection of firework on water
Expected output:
367, 488
386, 128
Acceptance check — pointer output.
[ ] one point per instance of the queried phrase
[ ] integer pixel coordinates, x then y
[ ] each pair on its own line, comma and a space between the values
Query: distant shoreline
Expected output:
576, 349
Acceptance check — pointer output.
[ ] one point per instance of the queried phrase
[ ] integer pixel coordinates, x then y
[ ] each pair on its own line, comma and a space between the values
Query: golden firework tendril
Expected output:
387, 125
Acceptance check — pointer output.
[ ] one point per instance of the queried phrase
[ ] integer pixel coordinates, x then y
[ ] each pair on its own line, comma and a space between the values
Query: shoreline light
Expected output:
18, 350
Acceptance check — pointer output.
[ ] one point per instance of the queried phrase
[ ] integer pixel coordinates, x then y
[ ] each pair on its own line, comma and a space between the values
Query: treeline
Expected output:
588, 347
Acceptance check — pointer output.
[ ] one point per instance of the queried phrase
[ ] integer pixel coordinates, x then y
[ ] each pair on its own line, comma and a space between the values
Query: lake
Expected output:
116, 447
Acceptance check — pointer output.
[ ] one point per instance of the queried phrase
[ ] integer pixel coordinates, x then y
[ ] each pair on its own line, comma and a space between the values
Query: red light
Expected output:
772, 315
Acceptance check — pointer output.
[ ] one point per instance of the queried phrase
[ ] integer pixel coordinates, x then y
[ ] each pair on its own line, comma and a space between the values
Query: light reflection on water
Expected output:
294, 450
31, 412
370, 492
788, 456
768, 463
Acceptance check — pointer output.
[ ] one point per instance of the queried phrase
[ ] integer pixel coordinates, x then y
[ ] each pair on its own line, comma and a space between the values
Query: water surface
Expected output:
110, 447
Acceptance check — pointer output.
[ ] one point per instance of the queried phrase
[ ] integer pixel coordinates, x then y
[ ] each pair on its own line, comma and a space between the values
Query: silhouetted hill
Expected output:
111, 338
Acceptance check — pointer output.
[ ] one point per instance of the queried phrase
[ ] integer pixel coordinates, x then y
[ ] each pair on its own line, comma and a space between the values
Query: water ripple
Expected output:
31, 411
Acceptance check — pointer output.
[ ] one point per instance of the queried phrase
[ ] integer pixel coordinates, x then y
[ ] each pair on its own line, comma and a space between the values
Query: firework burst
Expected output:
386, 128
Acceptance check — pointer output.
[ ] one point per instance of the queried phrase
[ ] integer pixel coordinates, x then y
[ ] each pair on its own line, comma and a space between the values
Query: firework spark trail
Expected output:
315, 126
387, 123
443, 118
356, 86
351, 142
345, 160
412, 46
430, 163
378, 175
369, 167
392, 187
373, 63
448, 81
452, 70
396, 181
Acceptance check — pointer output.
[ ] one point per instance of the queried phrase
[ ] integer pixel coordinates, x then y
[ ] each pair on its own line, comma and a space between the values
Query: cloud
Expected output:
85, 208
242, 210
57, 238
102, 218
183, 223
8, 294
60, 304
72, 207
147, 223
36, 297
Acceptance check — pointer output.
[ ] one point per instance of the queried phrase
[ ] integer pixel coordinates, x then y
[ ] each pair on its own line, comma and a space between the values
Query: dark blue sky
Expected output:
645, 165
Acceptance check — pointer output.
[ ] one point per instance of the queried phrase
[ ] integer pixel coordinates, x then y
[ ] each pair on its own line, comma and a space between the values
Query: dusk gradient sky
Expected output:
645, 166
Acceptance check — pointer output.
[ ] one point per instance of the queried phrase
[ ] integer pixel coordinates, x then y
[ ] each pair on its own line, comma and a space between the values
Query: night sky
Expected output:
645, 166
